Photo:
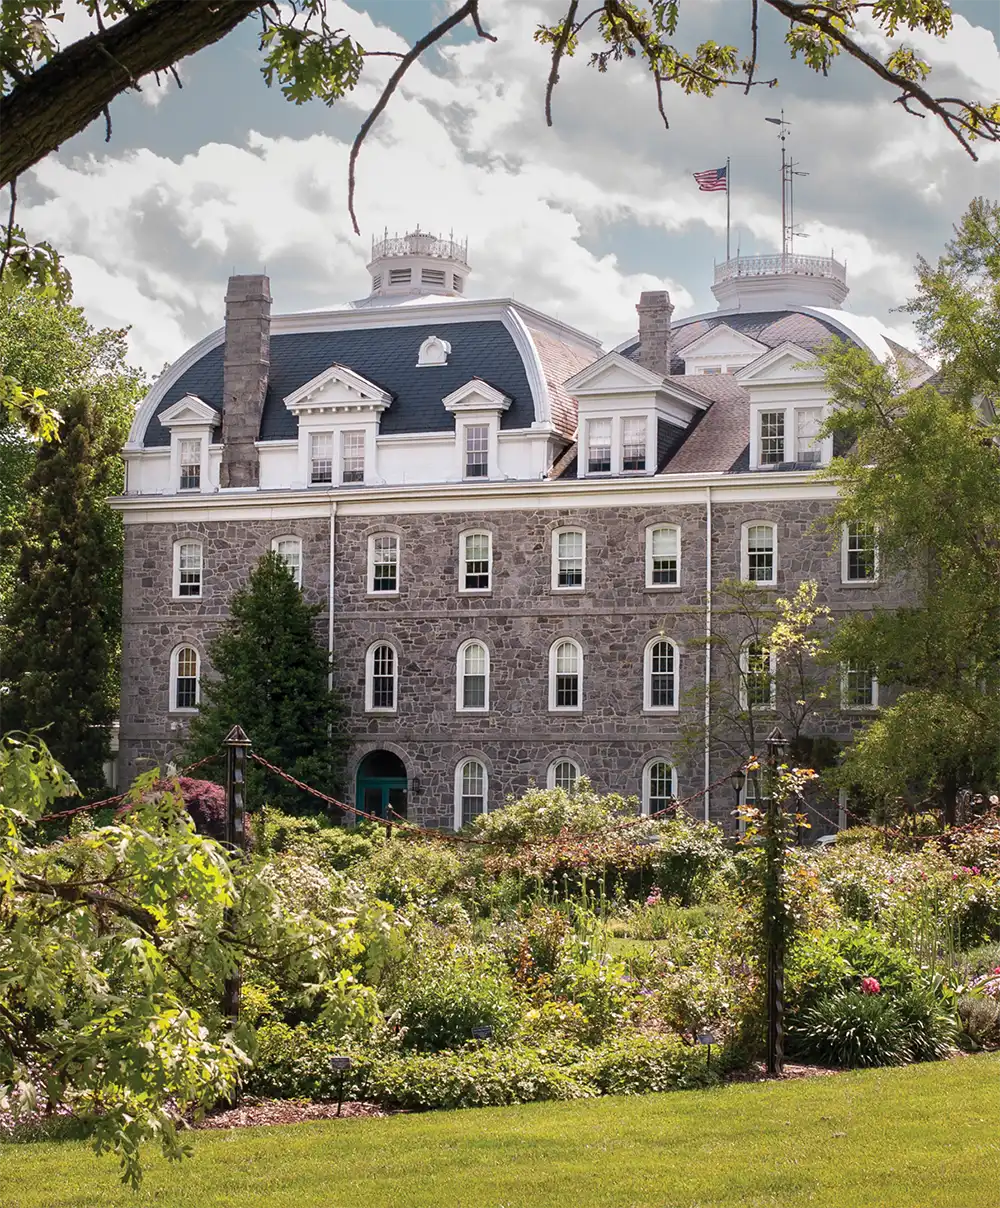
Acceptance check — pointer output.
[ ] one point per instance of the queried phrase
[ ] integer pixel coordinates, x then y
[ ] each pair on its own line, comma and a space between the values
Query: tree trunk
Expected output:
65, 95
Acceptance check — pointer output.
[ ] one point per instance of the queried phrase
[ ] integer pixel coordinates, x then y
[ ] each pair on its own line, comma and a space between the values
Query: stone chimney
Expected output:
244, 377
655, 309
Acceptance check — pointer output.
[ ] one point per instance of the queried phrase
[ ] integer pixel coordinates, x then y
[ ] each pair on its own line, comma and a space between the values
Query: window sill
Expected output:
382, 712
480, 712
860, 583
569, 591
659, 711
383, 595
565, 709
475, 591
183, 712
663, 586
187, 599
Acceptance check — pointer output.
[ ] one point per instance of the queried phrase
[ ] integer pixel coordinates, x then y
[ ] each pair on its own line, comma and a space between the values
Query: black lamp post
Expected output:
774, 906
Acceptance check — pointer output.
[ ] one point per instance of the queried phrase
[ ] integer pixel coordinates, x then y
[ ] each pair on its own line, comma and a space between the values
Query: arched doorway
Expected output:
381, 785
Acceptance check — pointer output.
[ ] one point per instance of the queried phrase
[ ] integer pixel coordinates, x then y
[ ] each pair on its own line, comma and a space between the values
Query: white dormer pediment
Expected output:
433, 351
476, 395
613, 374
337, 389
788, 364
190, 412
721, 346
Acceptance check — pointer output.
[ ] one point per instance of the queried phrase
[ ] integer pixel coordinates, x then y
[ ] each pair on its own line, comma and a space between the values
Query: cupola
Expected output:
418, 263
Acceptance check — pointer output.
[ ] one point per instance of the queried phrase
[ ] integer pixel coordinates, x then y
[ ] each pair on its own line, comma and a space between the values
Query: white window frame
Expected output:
553, 694
341, 451
459, 785
845, 560
312, 437
655, 528
769, 411
199, 442
370, 706
647, 782
460, 706
178, 545
174, 660
467, 426
647, 676
818, 441
589, 428
382, 593
297, 568
550, 774
745, 552
772, 662
633, 419
463, 563
845, 669
556, 534
789, 435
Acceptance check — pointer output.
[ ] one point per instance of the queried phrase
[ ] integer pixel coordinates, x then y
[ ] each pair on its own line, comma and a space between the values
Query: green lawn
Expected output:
921, 1137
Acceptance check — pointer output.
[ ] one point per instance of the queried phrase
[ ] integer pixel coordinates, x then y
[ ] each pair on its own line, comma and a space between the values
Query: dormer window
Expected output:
599, 446
434, 351
321, 458
352, 457
633, 444
190, 422
189, 457
477, 450
808, 421
772, 438
709, 369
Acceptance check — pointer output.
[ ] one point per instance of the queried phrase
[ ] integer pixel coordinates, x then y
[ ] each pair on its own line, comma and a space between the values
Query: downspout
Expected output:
329, 598
708, 648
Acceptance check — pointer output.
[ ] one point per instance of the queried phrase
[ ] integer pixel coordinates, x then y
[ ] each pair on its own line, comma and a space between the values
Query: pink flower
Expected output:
654, 897
891, 880
869, 985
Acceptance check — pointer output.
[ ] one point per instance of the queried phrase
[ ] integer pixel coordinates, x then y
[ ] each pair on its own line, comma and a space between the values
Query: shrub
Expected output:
637, 1064
296, 1063
851, 1030
687, 854
473, 1077
980, 1019
929, 1022
341, 848
405, 872
599, 988
823, 962
546, 813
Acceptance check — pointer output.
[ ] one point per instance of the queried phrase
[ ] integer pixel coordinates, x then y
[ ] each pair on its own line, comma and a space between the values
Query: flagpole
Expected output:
727, 207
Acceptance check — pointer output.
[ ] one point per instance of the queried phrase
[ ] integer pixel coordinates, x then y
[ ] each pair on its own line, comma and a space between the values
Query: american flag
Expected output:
712, 180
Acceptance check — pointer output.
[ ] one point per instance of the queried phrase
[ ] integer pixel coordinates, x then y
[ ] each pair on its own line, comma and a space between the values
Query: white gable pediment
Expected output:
337, 389
476, 395
189, 412
787, 364
722, 342
612, 374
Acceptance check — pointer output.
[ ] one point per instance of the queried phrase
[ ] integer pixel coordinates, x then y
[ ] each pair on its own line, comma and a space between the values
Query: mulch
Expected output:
253, 1112
758, 1072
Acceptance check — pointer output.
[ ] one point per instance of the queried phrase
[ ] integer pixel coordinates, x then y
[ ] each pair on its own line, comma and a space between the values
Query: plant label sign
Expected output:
483, 1033
340, 1063
706, 1038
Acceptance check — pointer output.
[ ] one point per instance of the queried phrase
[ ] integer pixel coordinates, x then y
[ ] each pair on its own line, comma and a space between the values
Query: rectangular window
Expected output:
476, 562
189, 558
569, 559
859, 688
711, 369
477, 450
599, 446
808, 421
384, 563
190, 463
352, 458
567, 677
772, 437
758, 677
321, 457
633, 444
760, 553
473, 791
860, 557
663, 557
289, 550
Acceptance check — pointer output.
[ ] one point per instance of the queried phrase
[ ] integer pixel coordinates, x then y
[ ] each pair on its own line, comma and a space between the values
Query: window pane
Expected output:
474, 677
321, 455
385, 562
760, 553
807, 425
567, 676
383, 678
189, 569
662, 680
772, 437
190, 464
353, 468
570, 558
473, 790
633, 444
477, 443
186, 684
476, 555
565, 775
859, 687
599, 446
861, 552
757, 676
661, 786
663, 548
289, 549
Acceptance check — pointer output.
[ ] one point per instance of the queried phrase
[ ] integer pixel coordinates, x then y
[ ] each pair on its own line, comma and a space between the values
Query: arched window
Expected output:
663, 555
661, 665
659, 786
475, 561
289, 549
471, 791
185, 680
759, 563
758, 686
380, 695
188, 567
566, 676
473, 688
563, 774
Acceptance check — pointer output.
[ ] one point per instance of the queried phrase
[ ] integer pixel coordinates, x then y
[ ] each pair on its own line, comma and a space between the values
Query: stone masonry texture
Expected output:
244, 377
613, 618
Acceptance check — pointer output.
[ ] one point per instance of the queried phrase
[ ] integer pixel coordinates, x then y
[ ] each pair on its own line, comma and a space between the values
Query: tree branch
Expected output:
557, 53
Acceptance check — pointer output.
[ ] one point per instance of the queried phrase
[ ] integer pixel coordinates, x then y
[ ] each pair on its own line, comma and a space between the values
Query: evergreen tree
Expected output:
271, 676
64, 614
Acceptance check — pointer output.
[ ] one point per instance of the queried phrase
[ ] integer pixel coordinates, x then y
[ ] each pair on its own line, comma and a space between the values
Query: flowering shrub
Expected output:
869, 985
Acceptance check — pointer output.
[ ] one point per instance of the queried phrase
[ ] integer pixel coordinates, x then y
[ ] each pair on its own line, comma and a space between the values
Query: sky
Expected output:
226, 176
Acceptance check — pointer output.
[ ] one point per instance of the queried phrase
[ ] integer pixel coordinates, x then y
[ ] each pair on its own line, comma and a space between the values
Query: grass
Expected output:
920, 1137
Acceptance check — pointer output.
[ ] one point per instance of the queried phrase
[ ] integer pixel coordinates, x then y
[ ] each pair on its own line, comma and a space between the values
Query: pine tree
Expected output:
271, 676
64, 615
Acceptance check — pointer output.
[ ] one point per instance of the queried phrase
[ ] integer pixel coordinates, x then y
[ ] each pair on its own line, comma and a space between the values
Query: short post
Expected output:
341, 1065
237, 745
774, 907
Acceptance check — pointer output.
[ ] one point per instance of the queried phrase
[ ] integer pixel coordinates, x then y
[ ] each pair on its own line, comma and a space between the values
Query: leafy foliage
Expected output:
852, 1030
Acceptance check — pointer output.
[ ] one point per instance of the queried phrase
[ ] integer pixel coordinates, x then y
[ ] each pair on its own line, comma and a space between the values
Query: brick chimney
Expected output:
244, 377
655, 309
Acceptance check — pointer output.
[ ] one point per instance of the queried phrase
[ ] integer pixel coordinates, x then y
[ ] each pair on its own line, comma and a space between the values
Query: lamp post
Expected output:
774, 906
737, 780
236, 745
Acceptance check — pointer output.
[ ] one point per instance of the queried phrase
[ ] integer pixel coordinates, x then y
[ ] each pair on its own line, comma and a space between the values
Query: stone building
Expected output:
513, 533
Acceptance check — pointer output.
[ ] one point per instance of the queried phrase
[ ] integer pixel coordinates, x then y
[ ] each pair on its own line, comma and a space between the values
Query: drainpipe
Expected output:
708, 647
329, 598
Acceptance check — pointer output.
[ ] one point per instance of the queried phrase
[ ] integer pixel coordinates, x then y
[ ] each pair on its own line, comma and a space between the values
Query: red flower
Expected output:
869, 985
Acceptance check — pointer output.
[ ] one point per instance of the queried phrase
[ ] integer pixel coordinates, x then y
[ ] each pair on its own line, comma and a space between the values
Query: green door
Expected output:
381, 785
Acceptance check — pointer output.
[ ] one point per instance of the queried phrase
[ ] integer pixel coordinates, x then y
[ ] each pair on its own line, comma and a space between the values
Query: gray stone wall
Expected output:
245, 371
612, 619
